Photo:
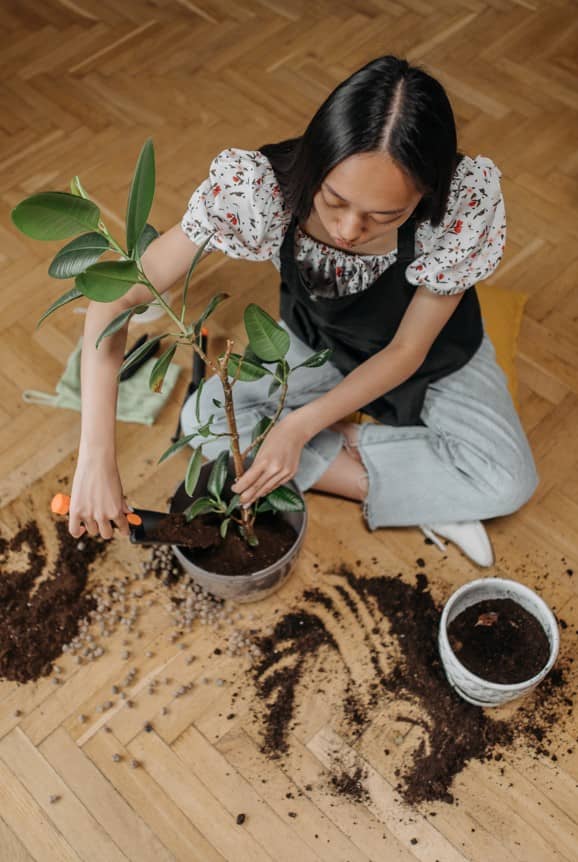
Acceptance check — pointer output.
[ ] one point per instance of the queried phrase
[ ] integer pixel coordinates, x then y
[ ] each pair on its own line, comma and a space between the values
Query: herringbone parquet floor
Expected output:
83, 83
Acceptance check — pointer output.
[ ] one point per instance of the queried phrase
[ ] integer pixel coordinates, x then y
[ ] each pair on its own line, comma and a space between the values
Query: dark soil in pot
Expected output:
499, 641
232, 555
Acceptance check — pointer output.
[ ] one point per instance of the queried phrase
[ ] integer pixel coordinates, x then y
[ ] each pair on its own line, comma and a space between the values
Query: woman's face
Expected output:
365, 197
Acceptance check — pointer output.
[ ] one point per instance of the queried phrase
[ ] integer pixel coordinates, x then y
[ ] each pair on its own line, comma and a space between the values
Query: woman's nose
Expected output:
350, 228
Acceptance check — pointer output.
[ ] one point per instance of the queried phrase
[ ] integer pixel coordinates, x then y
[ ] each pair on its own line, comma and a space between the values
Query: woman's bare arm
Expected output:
165, 260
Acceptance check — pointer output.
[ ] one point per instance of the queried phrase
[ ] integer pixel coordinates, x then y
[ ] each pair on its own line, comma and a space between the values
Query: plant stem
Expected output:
257, 440
232, 423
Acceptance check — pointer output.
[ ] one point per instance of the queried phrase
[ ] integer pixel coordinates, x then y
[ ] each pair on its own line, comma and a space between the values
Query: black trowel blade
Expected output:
145, 533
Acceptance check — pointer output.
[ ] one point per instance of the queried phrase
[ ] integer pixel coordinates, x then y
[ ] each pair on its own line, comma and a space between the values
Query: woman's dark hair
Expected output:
386, 106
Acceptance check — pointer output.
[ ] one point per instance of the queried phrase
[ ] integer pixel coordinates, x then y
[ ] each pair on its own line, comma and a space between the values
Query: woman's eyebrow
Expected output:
379, 212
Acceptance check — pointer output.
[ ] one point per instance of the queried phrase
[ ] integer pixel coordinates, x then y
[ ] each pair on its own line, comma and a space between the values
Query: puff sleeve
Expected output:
240, 201
468, 245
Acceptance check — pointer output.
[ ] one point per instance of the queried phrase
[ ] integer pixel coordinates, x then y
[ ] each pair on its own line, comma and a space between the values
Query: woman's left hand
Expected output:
276, 461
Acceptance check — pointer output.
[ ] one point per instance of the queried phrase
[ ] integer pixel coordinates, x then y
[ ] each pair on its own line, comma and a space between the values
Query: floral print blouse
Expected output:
241, 202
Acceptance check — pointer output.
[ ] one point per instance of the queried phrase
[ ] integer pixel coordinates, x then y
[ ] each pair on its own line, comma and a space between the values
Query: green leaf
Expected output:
160, 369
78, 255
218, 474
253, 541
264, 507
200, 507
262, 425
119, 322
267, 339
198, 400
215, 301
76, 188
109, 280
141, 195
315, 360
224, 527
250, 356
176, 446
55, 215
67, 297
193, 471
205, 429
283, 499
149, 233
275, 384
218, 404
234, 503
249, 371
194, 262
136, 355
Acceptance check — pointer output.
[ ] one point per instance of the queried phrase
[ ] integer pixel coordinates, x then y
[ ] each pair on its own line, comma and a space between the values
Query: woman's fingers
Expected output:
122, 523
268, 484
91, 526
75, 528
244, 486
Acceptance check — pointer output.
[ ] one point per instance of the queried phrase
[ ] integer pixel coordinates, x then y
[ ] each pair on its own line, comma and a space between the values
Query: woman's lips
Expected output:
343, 243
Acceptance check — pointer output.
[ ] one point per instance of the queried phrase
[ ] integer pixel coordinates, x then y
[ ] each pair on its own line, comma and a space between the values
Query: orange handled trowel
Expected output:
144, 523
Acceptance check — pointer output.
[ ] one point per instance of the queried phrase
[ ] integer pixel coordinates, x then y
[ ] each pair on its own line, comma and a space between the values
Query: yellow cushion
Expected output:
502, 312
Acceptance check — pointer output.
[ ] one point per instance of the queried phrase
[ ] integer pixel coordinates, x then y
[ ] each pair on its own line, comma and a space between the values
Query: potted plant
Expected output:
205, 491
497, 641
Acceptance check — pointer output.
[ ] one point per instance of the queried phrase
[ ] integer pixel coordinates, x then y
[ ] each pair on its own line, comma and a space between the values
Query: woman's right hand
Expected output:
96, 498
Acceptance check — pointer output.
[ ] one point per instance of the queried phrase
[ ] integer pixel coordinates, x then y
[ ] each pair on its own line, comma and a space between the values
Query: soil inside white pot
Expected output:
499, 641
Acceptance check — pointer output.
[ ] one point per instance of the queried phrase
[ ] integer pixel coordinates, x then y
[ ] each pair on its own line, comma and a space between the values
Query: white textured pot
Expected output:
474, 689
239, 588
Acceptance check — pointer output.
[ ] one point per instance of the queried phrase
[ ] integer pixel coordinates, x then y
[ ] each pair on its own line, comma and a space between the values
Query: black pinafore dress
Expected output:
358, 325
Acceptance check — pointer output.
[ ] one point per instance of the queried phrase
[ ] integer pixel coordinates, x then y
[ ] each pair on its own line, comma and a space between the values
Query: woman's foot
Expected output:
470, 537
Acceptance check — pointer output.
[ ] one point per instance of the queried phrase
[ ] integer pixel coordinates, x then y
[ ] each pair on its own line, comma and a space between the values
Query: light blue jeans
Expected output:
471, 461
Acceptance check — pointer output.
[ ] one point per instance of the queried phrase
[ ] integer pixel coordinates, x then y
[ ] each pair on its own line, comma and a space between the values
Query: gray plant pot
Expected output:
239, 588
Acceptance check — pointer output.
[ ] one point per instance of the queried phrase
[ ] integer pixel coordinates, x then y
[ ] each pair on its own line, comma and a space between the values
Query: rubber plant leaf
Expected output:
215, 301
140, 196
176, 446
136, 355
78, 255
194, 262
120, 321
266, 338
149, 233
248, 370
315, 360
283, 499
55, 215
199, 507
67, 297
109, 280
193, 471
160, 369
218, 474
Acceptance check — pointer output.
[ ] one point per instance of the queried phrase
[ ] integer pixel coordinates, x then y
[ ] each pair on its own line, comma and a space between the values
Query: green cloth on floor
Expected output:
136, 402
